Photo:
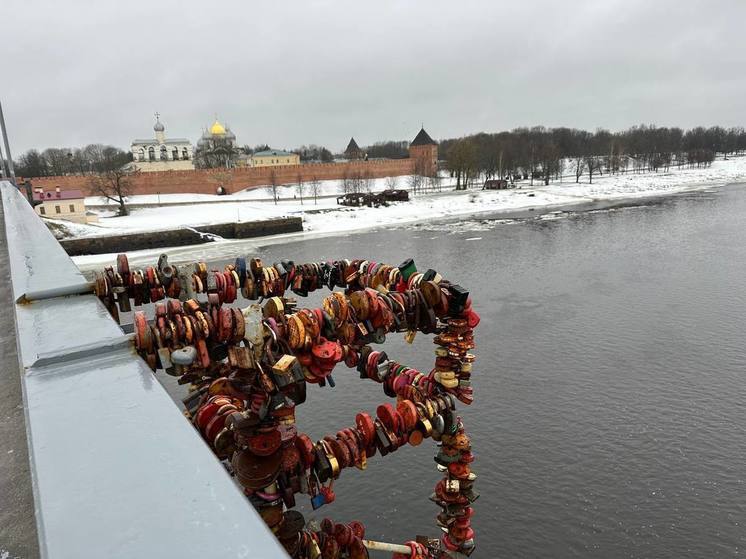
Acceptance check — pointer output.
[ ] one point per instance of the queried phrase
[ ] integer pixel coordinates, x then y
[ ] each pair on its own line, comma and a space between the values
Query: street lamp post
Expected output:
3, 166
8, 160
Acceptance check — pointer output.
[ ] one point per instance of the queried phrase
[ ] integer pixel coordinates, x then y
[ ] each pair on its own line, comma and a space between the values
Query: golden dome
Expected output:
217, 129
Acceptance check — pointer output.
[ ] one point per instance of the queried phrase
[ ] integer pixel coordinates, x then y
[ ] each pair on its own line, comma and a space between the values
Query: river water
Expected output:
610, 386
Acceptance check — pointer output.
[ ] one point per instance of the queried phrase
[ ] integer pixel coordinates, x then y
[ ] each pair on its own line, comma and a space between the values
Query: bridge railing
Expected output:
116, 469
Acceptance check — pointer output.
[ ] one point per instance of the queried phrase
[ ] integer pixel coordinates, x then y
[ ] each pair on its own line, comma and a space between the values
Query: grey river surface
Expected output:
610, 384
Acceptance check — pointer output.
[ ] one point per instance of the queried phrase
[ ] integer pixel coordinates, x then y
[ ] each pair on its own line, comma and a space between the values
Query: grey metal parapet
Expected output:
37, 262
117, 471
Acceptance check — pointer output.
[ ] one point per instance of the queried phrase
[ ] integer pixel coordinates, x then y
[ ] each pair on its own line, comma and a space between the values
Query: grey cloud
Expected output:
288, 73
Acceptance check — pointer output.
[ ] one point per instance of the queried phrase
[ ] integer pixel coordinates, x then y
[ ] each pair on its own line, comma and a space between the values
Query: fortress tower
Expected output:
424, 150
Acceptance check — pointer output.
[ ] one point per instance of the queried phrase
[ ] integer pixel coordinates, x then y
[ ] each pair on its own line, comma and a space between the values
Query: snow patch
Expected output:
325, 217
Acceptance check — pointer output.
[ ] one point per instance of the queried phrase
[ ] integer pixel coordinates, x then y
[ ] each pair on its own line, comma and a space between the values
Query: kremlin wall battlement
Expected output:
206, 181
423, 160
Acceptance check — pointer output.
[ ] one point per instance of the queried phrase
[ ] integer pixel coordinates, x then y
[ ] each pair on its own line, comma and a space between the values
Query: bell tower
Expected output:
424, 151
160, 130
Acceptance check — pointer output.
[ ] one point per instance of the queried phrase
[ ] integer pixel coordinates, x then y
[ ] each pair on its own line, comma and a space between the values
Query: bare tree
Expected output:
113, 180
415, 183
314, 153
579, 168
624, 162
560, 168
352, 182
357, 182
392, 183
550, 160
32, 164
216, 152
315, 185
91, 157
366, 182
462, 162
346, 181
59, 160
592, 163
272, 186
299, 185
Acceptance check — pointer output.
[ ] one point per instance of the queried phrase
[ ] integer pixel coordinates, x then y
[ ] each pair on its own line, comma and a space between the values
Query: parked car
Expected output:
394, 195
360, 199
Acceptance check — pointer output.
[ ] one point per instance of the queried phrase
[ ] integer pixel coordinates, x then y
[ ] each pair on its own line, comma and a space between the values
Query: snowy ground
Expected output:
326, 217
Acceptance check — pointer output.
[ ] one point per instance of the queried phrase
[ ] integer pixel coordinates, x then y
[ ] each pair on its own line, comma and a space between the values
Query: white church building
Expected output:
161, 153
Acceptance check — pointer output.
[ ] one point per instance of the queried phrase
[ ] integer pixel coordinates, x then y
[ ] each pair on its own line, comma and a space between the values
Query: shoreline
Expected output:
227, 247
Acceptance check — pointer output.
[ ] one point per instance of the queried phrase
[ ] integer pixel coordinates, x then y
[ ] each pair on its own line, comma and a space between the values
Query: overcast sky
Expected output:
288, 73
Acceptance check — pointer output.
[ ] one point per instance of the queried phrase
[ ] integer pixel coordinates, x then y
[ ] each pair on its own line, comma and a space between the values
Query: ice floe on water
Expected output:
551, 216
456, 227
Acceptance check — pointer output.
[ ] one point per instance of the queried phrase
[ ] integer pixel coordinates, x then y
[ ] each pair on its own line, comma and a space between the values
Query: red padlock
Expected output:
365, 427
328, 493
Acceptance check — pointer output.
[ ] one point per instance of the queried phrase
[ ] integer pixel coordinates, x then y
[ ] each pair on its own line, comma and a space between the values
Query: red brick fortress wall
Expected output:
206, 181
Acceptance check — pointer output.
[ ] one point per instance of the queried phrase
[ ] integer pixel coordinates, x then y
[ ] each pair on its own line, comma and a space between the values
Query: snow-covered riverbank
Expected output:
326, 217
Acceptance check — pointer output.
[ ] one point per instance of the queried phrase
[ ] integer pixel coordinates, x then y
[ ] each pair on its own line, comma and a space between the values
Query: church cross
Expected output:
157, 115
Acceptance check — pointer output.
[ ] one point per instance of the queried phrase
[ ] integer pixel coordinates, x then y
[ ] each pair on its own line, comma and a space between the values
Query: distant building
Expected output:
217, 148
161, 153
68, 205
353, 151
424, 150
273, 158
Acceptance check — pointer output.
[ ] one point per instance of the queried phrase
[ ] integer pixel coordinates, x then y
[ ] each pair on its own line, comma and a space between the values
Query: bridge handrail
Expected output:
116, 470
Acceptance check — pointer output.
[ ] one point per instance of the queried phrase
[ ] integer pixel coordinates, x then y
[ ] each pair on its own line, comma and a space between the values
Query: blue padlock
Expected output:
318, 501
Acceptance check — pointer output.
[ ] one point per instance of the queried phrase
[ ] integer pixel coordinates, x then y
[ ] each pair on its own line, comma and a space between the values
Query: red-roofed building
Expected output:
68, 205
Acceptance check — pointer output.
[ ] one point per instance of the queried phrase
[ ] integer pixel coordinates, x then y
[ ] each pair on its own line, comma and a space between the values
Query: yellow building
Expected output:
273, 158
68, 205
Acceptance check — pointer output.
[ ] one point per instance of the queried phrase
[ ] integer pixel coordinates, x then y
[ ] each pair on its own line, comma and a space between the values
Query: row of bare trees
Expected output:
420, 182
68, 161
312, 153
353, 182
312, 187
356, 181
544, 154
388, 150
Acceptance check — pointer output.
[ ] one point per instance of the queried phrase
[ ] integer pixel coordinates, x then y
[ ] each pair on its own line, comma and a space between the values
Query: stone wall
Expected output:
206, 181
180, 237
170, 165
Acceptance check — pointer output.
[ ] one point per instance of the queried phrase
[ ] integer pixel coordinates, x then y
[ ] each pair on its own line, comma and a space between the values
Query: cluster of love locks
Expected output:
248, 368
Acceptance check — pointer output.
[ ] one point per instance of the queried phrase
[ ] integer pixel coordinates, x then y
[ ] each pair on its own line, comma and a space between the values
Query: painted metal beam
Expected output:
37, 262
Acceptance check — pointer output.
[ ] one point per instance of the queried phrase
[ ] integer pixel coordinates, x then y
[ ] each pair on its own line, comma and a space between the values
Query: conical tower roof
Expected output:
423, 139
352, 147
